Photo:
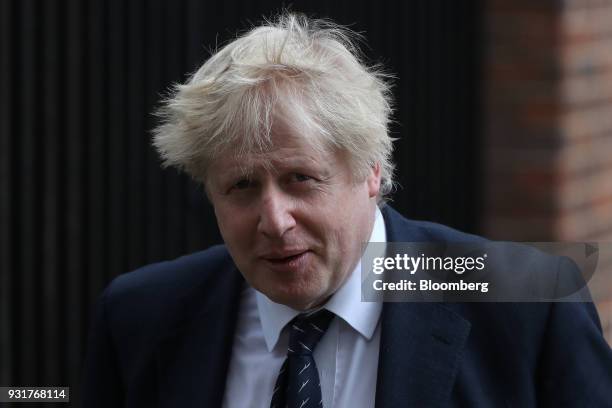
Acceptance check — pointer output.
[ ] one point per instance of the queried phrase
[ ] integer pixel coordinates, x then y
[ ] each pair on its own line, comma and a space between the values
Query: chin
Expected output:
300, 291
297, 299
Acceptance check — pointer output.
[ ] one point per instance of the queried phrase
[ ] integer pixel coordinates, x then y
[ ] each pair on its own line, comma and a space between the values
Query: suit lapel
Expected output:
421, 343
192, 360
420, 348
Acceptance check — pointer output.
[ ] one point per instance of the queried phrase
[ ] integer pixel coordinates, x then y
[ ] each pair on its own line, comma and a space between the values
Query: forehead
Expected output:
286, 153
285, 146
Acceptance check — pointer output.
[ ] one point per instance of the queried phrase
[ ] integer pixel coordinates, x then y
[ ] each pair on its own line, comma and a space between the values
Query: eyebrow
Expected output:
249, 166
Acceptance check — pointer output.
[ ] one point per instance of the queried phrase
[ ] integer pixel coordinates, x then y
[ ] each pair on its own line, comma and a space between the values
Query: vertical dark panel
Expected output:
153, 75
173, 30
468, 79
462, 78
117, 116
135, 136
53, 146
436, 58
6, 193
422, 134
27, 188
434, 109
97, 165
75, 183
195, 54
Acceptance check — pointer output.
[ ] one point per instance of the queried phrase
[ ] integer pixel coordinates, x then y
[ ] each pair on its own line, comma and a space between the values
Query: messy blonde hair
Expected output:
309, 72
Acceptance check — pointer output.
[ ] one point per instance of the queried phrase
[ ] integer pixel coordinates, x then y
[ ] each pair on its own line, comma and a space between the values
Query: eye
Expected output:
242, 184
298, 177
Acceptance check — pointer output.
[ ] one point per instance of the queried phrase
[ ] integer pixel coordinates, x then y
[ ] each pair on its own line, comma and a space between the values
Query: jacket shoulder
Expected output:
153, 297
175, 275
139, 308
400, 228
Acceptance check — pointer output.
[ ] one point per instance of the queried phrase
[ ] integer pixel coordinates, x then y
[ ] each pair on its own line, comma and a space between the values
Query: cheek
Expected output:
336, 247
233, 226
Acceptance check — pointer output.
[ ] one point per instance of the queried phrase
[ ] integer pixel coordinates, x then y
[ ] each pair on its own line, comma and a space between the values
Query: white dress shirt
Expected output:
346, 357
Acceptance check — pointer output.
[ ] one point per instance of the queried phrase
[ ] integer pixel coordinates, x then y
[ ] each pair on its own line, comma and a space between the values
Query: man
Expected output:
287, 130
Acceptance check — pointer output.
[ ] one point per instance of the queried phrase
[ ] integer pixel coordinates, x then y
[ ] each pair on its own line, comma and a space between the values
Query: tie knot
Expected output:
307, 329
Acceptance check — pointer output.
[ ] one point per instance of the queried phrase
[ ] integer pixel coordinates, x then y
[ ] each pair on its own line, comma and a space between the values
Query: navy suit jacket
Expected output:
162, 337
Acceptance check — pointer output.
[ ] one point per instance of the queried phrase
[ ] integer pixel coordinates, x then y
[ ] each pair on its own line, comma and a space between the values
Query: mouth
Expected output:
287, 259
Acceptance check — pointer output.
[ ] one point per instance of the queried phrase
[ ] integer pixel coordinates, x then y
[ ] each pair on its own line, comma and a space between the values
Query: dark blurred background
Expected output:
82, 195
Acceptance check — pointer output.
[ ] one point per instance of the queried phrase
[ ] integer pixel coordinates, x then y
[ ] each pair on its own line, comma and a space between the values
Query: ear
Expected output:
373, 181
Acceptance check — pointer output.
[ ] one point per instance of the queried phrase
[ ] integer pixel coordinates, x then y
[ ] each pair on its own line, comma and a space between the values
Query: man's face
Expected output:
295, 222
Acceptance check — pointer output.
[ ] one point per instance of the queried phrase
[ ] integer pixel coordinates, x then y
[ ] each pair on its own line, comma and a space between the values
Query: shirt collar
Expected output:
345, 303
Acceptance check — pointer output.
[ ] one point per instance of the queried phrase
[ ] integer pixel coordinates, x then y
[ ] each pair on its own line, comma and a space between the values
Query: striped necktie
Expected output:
298, 383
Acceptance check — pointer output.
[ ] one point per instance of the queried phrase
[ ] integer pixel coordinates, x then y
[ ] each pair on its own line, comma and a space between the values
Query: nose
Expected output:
275, 214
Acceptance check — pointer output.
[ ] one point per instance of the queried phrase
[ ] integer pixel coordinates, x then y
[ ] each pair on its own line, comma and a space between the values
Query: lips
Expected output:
282, 254
287, 259
292, 259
